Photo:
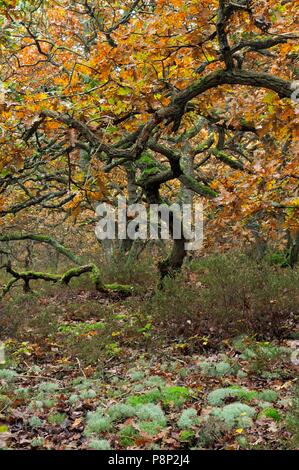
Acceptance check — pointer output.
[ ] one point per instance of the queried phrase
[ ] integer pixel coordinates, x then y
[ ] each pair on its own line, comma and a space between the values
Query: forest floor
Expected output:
76, 381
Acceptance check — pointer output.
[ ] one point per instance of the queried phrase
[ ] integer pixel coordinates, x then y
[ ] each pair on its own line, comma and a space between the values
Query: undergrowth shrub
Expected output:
211, 431
231, 294
92, 349
213, 298
26, 319
122, 269
264, 358
175, 308
241, 295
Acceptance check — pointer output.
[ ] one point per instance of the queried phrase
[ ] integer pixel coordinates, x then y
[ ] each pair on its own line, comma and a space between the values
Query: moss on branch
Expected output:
230, 161
63, 279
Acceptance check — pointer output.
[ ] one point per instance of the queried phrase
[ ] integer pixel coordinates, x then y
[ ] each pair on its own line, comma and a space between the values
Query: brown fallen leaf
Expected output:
77, 423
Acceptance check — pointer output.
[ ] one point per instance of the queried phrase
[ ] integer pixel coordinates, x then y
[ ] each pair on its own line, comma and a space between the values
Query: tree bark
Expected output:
294, 249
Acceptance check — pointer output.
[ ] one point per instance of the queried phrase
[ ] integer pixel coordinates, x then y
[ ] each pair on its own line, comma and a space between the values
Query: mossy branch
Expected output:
64, 279
232, 162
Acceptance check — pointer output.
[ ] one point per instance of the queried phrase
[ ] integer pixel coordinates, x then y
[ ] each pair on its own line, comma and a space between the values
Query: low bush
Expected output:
264, 358
175, 308
228, 295
123, 269
241, 295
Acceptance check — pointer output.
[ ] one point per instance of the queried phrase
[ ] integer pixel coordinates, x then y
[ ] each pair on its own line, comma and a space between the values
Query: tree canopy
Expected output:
167, 94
